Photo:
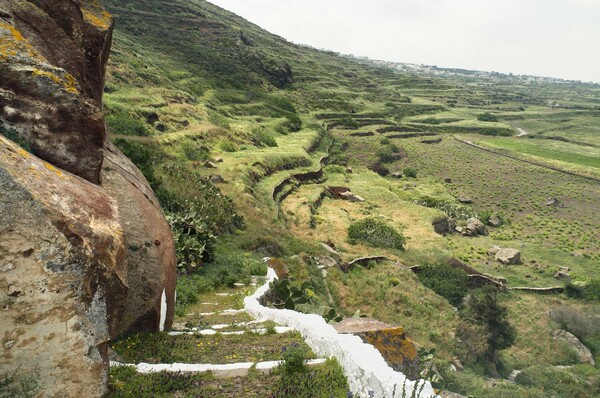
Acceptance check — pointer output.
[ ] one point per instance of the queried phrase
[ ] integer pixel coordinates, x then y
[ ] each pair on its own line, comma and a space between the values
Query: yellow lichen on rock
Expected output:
68, 82
12, 43
96, 15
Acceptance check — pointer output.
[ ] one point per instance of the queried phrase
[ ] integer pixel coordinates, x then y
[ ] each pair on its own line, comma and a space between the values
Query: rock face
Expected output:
508, 256
52, 60
63, 282
150, 248
85, 251
398, 350
583, 353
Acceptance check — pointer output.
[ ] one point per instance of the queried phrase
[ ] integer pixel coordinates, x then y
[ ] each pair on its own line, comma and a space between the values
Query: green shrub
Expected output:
294, 356
227, 145
410, 172
376, 233
124, 123
262, 138
487, 117
449, 282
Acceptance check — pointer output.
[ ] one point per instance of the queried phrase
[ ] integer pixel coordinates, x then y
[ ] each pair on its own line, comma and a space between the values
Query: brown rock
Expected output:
52, 63
65, 291
398, 350
279, 267
151, 251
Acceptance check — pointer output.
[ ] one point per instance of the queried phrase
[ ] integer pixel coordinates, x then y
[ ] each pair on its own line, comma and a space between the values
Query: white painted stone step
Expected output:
226, 370
224, 312
210, 332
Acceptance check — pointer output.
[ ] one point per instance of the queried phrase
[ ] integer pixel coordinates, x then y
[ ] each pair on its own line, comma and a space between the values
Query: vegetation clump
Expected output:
449, 282
485, 318
376, 233
487, 117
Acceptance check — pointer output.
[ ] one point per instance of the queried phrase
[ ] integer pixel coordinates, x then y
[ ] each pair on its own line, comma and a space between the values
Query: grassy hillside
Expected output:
240, 132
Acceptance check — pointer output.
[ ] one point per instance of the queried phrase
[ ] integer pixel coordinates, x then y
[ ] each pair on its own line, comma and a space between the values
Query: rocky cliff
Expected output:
85, 251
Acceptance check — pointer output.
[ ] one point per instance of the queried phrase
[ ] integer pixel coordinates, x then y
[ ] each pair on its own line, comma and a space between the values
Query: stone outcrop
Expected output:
584, 354
398, 350
85, 251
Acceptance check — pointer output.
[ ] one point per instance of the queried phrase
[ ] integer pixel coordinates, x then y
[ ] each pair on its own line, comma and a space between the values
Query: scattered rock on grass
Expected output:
465, 200
444, 225
553, 202
493, 250
216, 179
508, 256
494, 221
561, 275
474, 227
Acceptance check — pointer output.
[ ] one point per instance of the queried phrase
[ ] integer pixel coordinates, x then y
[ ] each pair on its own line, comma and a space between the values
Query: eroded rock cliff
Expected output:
85, 251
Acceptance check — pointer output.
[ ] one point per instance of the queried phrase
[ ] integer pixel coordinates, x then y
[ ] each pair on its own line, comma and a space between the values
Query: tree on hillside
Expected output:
483, 311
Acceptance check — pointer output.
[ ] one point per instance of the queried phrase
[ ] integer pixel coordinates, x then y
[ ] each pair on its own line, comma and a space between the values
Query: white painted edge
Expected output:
163, 310
367, 372
210, 332
225, 370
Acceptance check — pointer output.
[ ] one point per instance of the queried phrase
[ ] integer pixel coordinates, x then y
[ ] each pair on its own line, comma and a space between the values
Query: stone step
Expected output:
210, 332
218, 370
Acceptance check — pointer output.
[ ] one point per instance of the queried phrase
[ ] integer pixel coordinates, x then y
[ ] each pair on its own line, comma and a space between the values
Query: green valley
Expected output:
257, 147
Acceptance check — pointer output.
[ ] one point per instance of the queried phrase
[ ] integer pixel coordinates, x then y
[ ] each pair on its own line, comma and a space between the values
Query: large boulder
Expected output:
584, 354
151, 258
508, 256
63, 276
399, 351
85, 251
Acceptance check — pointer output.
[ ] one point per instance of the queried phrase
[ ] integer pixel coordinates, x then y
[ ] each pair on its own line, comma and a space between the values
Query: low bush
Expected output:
409, 172
376, 233
487, 117
124, 123
261, 137
227, 145
449, 282
581, 324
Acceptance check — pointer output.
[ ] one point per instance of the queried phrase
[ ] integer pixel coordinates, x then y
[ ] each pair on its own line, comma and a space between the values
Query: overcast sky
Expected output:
557, 38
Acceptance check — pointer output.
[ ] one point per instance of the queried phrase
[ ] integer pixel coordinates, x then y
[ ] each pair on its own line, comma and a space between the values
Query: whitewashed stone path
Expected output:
367, 372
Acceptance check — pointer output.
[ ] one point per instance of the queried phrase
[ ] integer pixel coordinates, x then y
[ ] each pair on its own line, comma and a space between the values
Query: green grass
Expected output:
323, 381
162, 348
553, 150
